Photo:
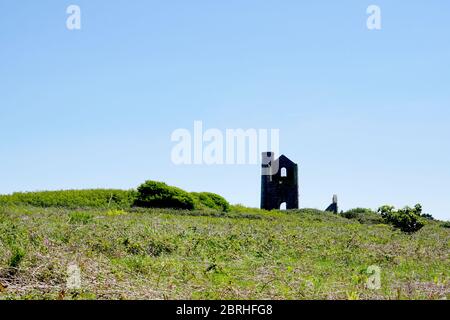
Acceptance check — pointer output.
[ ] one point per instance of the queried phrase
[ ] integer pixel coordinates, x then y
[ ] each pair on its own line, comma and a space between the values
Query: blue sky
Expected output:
364, 113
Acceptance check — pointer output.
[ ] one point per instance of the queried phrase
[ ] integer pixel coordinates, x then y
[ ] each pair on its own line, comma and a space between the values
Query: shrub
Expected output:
210, 200
363, 215
445, 224
407, 219
427, 216
153, 194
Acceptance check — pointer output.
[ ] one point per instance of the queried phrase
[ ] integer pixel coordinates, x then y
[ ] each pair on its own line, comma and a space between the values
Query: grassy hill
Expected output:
136, 253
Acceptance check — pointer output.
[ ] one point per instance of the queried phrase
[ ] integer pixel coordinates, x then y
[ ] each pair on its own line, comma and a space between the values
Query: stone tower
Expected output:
279, 182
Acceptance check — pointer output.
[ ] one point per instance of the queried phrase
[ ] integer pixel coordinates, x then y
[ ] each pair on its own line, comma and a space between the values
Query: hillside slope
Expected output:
169, 254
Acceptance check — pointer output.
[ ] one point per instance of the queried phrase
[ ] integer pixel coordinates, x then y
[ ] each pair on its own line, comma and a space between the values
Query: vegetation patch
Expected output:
161, 242
154, 194
445, 224
153, 253
208, 200
407, 219
80, 217
363, 215
73, 199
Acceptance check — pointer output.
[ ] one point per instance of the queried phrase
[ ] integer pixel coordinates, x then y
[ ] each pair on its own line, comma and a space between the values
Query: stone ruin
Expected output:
279, 184
333, 207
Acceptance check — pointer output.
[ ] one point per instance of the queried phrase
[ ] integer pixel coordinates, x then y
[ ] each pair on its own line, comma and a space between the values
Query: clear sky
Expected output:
364, 113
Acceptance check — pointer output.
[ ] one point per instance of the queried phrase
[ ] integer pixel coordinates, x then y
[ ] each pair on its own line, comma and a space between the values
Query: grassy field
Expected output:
241, 254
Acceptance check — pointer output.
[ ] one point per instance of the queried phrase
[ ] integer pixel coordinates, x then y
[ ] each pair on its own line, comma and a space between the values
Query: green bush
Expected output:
363, 215
210, 200
407, 219
153, 194
95, 198
427, 216
445, 224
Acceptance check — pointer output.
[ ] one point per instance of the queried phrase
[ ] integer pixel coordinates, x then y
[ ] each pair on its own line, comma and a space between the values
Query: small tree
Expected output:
407, 219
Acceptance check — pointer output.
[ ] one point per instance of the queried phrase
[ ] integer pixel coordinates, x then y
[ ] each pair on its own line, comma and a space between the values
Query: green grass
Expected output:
94, 198
136, 253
